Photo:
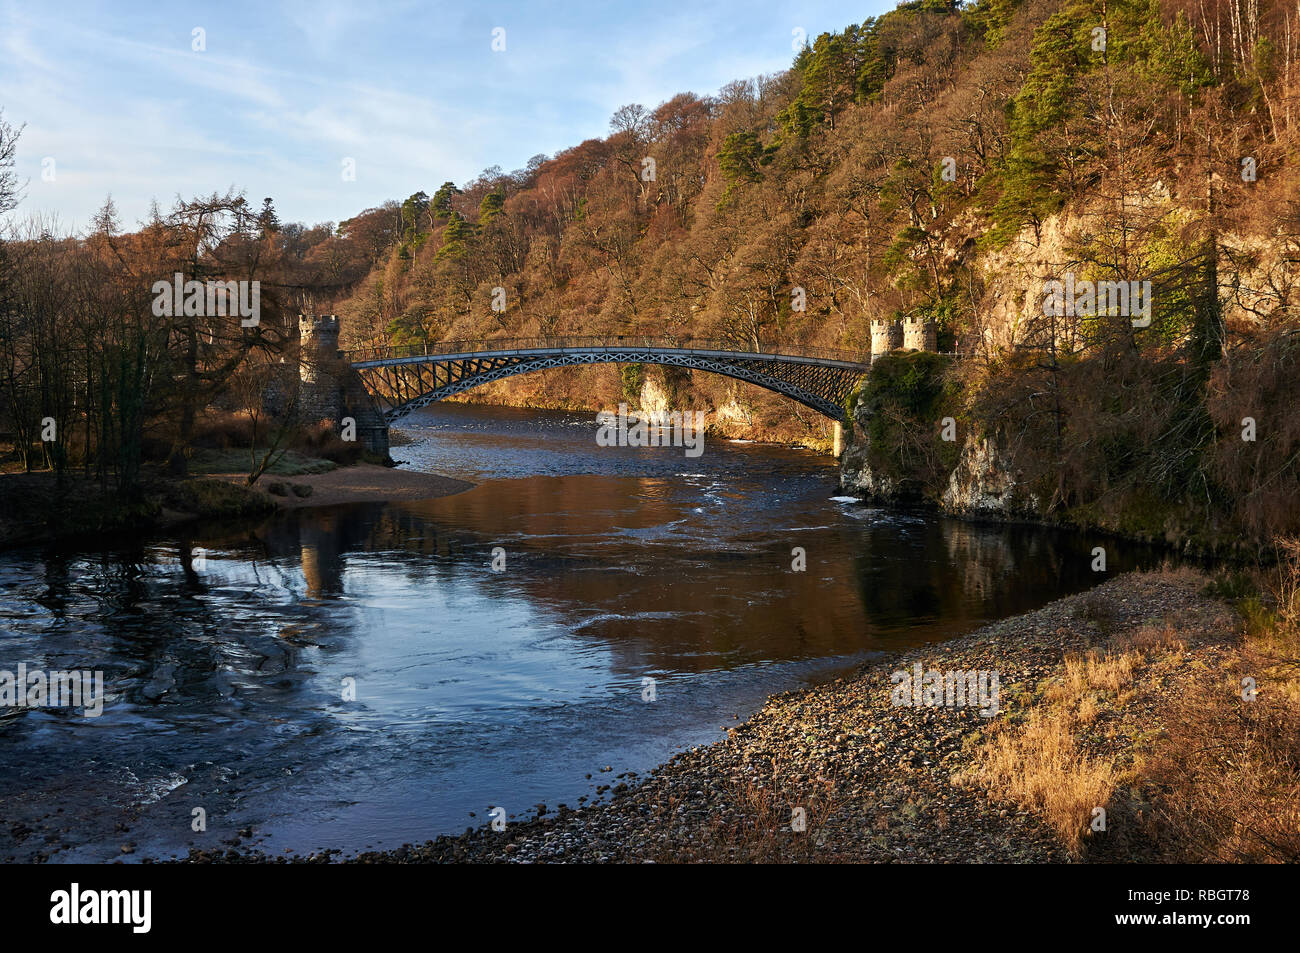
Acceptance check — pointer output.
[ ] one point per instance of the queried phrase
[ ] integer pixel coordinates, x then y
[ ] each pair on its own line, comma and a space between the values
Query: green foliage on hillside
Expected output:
1057, 144
872, 174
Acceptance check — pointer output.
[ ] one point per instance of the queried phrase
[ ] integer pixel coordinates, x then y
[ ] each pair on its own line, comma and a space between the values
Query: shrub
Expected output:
904, 401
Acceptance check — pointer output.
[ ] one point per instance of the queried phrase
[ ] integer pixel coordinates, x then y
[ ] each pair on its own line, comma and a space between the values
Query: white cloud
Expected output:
412, 92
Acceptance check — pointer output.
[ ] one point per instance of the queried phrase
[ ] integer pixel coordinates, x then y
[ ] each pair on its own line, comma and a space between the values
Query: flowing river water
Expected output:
228, 682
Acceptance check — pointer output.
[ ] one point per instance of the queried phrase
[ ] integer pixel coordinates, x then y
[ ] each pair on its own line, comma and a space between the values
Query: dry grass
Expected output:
1094, 670
1152, 725
1231, 766
1228, 769
1038, 765
1284, 584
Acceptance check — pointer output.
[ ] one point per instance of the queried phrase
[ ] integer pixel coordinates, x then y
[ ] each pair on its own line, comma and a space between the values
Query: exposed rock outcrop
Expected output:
856, 474
984, 481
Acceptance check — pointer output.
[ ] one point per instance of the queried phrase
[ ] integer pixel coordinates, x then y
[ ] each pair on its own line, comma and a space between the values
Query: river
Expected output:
364, 675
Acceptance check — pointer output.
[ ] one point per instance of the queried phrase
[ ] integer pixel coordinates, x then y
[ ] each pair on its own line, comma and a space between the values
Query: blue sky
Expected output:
118, 98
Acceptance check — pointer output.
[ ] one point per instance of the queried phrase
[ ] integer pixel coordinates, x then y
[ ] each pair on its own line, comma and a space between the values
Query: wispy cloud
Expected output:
414, 94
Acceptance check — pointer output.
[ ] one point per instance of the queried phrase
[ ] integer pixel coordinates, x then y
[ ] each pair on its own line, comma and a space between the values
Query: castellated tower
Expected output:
919, 334
886, 336
328, 387
320, 368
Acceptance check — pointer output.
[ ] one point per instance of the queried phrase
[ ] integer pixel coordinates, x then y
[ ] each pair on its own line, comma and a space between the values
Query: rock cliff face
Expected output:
856, 475
983, 483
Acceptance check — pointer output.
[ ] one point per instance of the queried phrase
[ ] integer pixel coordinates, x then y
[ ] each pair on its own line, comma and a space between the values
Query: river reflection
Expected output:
228, 675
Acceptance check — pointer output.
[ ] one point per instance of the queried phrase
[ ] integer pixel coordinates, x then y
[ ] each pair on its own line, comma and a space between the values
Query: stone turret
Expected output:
919, 334
328, 387
320, 368
886, 336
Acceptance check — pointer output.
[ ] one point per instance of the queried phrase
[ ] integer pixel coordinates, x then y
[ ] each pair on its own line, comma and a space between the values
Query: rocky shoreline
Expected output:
876, 782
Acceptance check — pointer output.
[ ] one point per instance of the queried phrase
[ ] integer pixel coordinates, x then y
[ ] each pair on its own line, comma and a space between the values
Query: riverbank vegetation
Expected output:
1188, 736
36, 509
118, 397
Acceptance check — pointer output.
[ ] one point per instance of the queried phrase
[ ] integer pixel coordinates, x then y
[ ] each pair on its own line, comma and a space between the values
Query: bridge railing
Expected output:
621, 341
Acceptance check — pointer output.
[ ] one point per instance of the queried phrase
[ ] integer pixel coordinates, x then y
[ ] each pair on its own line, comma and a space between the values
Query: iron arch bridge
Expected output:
403, 379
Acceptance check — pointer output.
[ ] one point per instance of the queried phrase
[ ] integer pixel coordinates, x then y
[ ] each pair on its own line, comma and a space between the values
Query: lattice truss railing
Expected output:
403, 384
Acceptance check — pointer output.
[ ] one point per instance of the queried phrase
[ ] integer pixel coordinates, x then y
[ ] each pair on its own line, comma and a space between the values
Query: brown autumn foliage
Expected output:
940, 161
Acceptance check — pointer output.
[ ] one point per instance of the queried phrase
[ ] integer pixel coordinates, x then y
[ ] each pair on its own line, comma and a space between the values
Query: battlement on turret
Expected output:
320, 331
913, 333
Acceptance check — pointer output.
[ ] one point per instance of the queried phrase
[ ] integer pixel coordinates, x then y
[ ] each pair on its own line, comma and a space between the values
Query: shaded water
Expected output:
473, 687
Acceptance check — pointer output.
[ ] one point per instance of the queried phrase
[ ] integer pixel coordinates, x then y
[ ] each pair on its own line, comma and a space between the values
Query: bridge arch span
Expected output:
401, 380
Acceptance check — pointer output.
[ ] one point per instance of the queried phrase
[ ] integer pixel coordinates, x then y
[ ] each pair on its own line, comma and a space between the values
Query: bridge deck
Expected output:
538, 347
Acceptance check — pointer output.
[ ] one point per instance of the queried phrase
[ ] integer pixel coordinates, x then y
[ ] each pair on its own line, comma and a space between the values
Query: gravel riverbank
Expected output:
876, 782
